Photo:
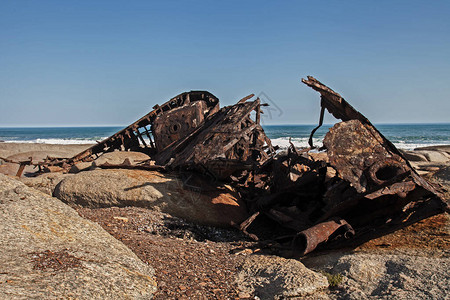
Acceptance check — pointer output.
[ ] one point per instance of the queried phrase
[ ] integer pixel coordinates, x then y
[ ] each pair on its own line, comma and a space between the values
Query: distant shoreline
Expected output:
268, 125
408, 137
24, 147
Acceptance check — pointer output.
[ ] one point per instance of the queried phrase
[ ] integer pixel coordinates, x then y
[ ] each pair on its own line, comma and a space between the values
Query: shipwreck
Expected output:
357, 187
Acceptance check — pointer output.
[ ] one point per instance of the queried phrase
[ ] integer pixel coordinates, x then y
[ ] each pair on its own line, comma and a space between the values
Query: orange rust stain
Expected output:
432, 233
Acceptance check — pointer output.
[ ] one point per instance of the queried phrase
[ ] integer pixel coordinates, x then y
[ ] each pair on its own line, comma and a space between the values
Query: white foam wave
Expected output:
283, 143
55, 141
408, 146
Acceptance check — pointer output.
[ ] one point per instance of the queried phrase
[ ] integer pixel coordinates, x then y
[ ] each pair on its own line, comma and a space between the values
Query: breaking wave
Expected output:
403, 136
283, 143
56, 141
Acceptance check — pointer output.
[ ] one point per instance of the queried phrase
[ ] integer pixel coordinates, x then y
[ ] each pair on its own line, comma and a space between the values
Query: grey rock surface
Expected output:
273, 277
434, 156
414, 155
150, 189
11, 169
118, 157
443, 148
48, 251
81, 166
45, 183
386, 275
443, 175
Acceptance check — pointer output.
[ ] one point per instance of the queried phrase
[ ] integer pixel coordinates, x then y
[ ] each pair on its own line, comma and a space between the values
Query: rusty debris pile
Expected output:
358, 186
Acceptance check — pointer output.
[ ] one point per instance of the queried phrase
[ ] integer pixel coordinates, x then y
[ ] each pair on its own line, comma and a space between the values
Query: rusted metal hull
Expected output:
227, 142
359, 178
358, 187
372, 186
153, 132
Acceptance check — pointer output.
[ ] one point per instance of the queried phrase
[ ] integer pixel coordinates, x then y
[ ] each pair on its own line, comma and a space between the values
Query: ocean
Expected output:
404, 136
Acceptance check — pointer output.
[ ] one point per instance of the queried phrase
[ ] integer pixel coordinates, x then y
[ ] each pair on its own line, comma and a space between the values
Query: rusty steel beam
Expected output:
22, 166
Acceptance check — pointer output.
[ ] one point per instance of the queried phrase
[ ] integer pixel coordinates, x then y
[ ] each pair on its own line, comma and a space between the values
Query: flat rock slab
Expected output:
273, 277
118, 157
444, 148
443, 174
11, 169
413, 155
150, 189
45, 183
48, 251
81, 166
386, 275
434, 156
111, 159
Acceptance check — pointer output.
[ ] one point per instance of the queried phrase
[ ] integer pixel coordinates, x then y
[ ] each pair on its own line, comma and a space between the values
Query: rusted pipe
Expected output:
384, 170
307, 240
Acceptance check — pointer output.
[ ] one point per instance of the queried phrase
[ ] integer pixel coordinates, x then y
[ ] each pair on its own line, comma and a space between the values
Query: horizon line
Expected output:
288, 124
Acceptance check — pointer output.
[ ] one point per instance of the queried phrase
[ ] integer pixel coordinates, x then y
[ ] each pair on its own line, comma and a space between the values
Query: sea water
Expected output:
404, 136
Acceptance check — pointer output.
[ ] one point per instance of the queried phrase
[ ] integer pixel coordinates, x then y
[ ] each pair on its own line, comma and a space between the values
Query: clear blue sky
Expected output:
108, 62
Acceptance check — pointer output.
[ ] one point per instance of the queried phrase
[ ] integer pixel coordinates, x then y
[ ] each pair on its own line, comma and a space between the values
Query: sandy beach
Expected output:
8, 149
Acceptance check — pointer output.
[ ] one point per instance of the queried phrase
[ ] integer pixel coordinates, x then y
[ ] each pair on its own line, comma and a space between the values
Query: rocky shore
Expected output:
114, 233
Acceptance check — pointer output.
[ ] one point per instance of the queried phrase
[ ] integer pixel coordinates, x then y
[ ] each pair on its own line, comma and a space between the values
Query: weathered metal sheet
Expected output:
141, 136
357, 152
375, 189
227, 142
359, 177
341, 109
177, 123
